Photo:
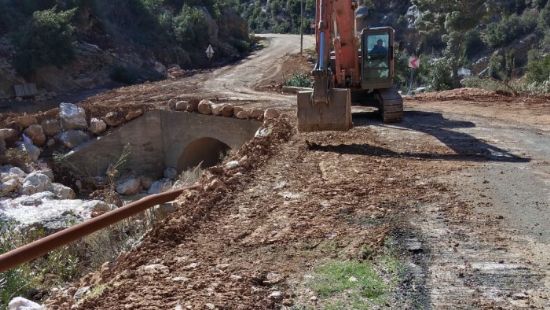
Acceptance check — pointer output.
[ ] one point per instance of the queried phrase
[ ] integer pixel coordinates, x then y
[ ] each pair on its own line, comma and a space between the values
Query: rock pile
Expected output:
208, 107
131, 185
69, 128
34, 200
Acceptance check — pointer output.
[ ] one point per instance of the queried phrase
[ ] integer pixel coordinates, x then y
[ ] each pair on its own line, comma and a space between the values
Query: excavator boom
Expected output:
327, 107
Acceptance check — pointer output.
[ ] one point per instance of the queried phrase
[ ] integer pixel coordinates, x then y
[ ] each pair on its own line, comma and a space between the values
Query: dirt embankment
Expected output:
533, 111
315, 197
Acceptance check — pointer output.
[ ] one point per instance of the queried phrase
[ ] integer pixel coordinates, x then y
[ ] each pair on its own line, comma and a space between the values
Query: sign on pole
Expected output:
414, 62
210, 52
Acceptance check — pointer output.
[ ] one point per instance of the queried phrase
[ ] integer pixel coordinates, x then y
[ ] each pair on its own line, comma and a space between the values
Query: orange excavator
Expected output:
355, 65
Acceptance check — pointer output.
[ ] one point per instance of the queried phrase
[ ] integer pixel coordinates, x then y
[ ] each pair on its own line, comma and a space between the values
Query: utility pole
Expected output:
301, 27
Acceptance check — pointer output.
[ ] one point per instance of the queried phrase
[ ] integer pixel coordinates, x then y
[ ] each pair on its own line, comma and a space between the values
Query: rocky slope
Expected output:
126, 43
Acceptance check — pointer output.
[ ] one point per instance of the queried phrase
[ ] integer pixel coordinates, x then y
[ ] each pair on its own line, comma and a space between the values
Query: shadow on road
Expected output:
465, 146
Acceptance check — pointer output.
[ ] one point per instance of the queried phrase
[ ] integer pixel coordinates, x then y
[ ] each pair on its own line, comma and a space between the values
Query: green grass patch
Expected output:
364, 283
359, 279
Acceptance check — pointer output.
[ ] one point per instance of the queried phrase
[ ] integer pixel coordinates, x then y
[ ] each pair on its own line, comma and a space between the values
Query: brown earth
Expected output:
460, 188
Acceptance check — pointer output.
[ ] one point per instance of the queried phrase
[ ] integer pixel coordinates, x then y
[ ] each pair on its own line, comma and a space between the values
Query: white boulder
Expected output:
181, 105
30, 149
63, 192
72, 116
232, 165
129, 186
9, 186
36, 182
9, 172
20, 303
160, 186
45, 211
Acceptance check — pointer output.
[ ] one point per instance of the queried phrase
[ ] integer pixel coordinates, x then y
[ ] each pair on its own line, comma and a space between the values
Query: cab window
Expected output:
376, 50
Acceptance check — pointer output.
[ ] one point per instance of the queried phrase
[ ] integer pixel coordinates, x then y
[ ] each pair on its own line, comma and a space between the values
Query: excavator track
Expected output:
390, 105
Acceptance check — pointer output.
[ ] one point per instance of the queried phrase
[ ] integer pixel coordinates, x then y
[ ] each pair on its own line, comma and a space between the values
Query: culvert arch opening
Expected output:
206, 151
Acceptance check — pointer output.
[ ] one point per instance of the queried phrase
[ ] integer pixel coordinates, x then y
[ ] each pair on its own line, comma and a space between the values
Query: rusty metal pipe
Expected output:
42, 246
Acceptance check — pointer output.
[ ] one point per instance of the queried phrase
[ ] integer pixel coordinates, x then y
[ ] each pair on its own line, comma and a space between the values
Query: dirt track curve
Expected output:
460, 192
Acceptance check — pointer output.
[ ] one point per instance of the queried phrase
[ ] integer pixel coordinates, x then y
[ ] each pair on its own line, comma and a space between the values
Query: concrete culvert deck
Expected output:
162, 139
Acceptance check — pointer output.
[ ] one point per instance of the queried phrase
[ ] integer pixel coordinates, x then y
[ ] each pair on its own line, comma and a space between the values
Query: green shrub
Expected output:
509, 28
440, 76
299, 80
501, 66
16, 281
46, 40
191, 26
473, 44
544, 17
538, 69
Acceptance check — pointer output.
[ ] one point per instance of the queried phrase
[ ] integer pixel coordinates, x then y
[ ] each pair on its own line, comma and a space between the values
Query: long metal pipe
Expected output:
42, 246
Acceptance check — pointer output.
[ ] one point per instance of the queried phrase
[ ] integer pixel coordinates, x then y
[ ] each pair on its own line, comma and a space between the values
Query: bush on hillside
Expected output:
509, 28
46, 40
191, 26
473, 44
440, 75
501, 66
544, 17
538, 69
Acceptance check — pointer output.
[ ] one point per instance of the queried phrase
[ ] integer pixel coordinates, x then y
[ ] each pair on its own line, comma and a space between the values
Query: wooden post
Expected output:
301, 27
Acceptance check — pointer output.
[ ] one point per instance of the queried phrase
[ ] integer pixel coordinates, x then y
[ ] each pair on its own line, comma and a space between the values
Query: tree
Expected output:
46, 40
538, 69
191, 26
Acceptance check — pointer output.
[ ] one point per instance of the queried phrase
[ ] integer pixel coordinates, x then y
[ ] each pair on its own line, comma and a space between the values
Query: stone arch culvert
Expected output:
164, 139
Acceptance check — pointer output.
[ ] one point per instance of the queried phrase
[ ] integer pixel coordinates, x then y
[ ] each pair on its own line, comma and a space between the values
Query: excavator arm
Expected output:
328, 107
335, 27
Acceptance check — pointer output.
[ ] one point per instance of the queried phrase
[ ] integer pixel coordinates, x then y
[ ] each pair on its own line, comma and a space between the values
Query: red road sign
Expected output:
414, 62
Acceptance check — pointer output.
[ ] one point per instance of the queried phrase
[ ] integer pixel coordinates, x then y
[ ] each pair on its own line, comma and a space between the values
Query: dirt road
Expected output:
494, 252
449, 208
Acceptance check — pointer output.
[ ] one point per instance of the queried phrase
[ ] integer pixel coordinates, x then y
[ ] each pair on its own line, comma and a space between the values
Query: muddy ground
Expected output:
458, 194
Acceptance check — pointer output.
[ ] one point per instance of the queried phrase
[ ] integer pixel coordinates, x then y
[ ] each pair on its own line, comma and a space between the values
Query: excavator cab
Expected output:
377, 68
378, 73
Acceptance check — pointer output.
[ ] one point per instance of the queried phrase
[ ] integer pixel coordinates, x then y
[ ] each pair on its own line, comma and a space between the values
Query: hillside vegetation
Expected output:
500, 44
132, 35
499, 41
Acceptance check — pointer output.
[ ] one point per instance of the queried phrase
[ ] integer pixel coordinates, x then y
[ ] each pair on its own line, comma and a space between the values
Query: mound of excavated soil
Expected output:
249, 235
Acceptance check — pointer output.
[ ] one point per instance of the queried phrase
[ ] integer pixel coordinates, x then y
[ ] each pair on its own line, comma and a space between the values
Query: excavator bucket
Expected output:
332, 114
